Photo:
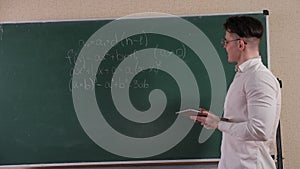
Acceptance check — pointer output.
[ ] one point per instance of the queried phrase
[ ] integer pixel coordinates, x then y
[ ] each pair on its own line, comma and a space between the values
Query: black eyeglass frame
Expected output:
225, 42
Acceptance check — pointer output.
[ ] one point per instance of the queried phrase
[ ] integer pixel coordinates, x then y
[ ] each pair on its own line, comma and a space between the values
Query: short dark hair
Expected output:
244, 26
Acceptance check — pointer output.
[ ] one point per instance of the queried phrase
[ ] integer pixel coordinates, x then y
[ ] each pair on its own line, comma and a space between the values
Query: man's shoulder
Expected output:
261, 75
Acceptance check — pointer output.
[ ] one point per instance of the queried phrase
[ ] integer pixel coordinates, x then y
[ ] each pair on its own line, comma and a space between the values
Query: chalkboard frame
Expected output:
140, 162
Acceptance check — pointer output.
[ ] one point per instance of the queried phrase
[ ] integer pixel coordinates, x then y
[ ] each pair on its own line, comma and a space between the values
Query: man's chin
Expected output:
230, 61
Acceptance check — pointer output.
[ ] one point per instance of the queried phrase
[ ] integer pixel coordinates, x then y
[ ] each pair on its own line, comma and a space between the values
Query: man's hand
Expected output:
211, 121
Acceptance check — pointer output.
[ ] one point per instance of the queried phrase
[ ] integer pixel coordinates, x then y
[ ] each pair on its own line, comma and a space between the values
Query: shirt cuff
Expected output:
223, 126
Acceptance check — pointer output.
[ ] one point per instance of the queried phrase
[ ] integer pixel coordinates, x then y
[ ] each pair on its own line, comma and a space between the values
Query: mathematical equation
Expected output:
89, 84
86, 65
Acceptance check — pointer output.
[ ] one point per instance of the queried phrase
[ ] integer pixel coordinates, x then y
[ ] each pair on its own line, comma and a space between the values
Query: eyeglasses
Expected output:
225, 42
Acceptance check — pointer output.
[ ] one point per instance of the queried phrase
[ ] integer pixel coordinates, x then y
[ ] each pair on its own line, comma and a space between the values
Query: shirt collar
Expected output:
247, 64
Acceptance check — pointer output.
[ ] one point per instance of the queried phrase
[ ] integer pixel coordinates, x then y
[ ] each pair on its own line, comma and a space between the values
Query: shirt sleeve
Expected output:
261, 94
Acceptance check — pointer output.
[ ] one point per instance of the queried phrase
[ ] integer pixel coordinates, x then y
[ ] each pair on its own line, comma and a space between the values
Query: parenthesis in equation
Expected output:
181, 52
86, 84
1, 32
146, 39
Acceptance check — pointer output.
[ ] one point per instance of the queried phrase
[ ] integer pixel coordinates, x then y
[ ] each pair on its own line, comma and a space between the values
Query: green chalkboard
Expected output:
107, 90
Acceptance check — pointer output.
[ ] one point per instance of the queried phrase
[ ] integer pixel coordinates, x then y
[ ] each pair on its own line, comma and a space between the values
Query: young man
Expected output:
252, 104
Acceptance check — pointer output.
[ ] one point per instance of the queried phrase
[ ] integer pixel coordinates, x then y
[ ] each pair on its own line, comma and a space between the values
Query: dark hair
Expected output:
244, 26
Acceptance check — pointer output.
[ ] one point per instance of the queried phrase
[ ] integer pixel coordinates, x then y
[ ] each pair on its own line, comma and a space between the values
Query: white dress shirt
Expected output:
253, 105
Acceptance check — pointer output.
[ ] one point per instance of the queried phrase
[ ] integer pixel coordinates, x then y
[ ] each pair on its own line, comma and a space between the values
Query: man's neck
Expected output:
247, 55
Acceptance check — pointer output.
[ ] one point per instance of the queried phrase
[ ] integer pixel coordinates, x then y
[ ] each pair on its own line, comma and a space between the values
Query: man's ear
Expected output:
241, 44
